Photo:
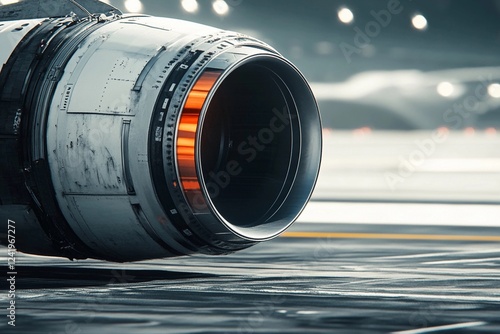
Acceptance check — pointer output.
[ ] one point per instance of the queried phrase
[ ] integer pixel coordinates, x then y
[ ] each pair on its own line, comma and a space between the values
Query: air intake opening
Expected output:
259, 148
250, 145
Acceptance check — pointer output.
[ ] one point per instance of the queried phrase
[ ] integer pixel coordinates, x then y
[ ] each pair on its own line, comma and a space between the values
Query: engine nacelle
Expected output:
133, 137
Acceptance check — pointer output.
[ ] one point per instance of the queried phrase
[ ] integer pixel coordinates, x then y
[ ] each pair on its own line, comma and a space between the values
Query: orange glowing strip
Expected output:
186, 136
190, 185
183, 151
188, 127
185, 142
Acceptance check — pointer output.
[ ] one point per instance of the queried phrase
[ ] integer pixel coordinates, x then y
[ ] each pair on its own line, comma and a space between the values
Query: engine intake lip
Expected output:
248, 146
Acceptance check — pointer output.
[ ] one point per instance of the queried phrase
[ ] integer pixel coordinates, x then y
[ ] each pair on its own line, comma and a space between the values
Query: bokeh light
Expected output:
345, 15
419, 22
133, 6
190, 6
445, 89
220, 7
8, 2
494, 90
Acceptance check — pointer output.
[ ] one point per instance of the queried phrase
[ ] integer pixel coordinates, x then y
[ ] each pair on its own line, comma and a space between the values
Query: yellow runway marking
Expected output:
391, 236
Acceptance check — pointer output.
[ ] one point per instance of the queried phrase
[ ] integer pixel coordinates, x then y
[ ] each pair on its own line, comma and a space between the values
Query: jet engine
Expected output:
131, 137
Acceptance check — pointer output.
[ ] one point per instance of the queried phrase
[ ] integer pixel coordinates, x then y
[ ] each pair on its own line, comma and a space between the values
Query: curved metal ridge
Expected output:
34, 9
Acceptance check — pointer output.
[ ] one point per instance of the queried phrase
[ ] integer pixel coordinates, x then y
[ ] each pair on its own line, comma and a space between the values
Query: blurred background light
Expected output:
419, 22
491, 131
190, 6
469, 131
445, 89
133, 6
220, 7
345, 15
494, 90
8, 2
324, 48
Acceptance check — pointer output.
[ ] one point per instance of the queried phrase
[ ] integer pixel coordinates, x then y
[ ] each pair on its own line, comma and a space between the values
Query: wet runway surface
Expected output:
420, 257
318, 278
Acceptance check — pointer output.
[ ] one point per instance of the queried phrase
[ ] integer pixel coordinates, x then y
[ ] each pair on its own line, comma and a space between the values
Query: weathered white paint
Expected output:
93, 100
11, 33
